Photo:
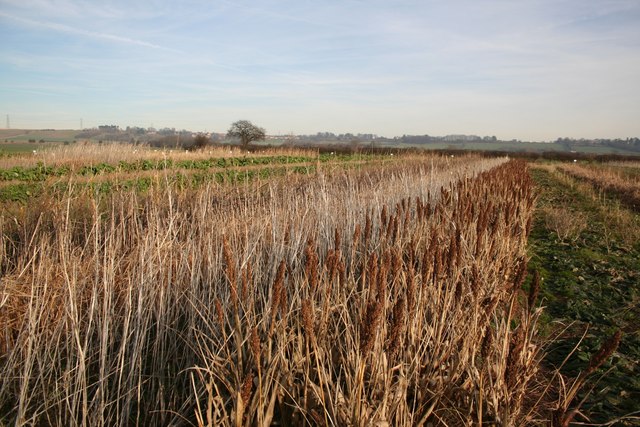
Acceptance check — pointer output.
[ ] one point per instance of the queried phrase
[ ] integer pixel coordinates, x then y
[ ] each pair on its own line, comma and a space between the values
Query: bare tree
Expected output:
246, 131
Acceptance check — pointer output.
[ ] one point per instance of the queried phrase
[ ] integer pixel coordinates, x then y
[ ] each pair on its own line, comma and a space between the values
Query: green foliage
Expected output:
42, 172
19, 192
186, 173
98, 169
37, 173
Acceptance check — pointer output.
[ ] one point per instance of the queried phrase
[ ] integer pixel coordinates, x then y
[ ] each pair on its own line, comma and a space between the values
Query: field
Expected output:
289, 287
25, 135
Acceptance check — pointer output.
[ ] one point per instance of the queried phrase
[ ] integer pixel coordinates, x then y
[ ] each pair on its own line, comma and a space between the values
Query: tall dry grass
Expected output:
629, 164
566, 224
619, 222
610, 180
378, 296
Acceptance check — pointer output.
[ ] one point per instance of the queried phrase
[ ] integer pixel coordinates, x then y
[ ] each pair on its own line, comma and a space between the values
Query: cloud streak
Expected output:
77, 31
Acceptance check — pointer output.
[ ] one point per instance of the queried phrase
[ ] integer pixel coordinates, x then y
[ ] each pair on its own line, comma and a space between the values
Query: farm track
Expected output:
587, 250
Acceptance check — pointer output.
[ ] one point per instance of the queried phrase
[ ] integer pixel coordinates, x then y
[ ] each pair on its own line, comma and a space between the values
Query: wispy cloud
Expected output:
525, 69
73, 30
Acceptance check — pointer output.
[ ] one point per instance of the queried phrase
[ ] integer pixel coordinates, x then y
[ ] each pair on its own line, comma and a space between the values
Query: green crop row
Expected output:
38, 173
22, 192
42, 172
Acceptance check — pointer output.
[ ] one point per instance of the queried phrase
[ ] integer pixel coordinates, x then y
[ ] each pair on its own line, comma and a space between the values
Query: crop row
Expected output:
623, 186
41, 172
22, 192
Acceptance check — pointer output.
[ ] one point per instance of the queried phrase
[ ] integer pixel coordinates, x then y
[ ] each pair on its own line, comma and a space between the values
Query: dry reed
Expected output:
381, 296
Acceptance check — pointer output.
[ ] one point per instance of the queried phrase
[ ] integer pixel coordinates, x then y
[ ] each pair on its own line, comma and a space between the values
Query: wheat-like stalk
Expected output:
348, 297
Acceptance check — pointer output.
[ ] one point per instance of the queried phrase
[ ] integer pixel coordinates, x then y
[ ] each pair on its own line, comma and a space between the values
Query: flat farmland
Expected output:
282, 287
48, 135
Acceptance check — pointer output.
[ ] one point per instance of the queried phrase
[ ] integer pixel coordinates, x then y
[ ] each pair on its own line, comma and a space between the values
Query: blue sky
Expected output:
525, 69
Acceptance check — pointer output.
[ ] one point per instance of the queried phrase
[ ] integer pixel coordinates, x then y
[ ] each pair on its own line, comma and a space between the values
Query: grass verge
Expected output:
589, 261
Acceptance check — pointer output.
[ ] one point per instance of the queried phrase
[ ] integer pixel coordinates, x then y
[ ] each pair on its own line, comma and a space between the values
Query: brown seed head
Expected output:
283, 301
458, 247
383, 216
311, 264
405, 223
308, 319
219, 312
458, 291
521, 274
396, 263
437, 266
372, 275
245, 390
356, 237
337, 239
331, 262
255, 344
513, 360
605, 351
397, 327
369, 326
342, 273
394, 228
489, 305
487, 342
368, 228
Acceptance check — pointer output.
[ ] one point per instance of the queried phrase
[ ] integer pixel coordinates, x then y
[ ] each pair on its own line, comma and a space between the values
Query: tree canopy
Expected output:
200, 141
246, 131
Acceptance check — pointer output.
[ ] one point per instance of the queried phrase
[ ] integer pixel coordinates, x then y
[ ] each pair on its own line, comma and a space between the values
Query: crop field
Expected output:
111, 167
222, 287
48, 135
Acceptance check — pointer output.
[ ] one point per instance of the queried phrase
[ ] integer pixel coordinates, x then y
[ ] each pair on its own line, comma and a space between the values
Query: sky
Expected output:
531, 70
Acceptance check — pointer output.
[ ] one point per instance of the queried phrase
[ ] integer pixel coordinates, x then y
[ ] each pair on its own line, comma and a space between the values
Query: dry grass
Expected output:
378, 296
600, 183
567, 225
610, 180
624, 164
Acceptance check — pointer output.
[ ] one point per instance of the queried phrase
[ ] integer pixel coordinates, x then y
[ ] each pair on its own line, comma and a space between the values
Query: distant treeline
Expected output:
170, 137
562, 144
339, 148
